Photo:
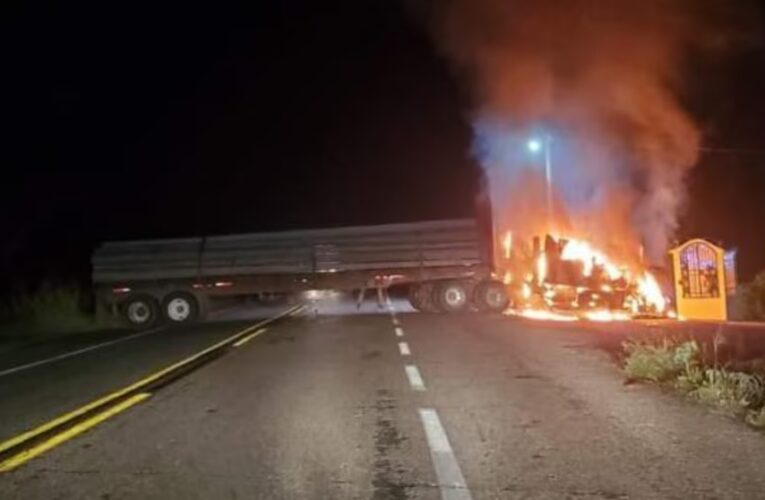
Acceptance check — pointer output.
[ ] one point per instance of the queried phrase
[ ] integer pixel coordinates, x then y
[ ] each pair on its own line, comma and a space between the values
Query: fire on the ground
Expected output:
560, 278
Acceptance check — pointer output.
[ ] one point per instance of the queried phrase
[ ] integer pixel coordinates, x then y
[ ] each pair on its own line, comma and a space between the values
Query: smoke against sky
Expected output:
604, 80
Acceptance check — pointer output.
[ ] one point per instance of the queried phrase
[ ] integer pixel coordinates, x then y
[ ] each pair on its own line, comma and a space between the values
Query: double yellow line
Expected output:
113, 403
71, 432
249, 337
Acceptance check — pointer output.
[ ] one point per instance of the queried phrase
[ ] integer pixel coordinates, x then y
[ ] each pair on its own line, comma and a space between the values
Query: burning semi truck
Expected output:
446, 266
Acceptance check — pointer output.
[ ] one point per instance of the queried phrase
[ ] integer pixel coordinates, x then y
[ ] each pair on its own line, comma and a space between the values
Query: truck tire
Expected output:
491, 296
414, 296
451, 296
180, 308
141, 311
421, 297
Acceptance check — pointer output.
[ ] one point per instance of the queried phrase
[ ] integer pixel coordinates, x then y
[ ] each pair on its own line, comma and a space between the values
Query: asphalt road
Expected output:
332, 406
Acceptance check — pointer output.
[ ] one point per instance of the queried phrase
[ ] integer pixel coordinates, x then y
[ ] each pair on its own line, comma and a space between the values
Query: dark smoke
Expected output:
603, 78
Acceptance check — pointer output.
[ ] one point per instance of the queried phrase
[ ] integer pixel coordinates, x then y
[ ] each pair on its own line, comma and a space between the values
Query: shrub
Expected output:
47, 310
659, 362
680, 364
723, 388
754, 298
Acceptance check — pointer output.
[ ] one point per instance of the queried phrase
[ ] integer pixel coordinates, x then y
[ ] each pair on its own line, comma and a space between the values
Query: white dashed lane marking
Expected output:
450, 479
404, 348
415, 379
451, 482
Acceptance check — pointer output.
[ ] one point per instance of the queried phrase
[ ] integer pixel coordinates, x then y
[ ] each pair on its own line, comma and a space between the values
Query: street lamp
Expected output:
535, 145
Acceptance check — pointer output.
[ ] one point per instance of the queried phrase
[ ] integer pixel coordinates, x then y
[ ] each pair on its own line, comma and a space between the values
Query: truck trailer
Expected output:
446, 264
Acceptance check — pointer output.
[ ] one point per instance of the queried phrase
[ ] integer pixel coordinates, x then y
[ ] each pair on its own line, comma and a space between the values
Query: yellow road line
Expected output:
249, 337
14, 441
297, 311
74, 431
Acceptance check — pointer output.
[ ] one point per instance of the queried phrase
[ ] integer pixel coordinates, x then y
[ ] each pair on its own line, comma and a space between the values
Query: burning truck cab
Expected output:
554, 276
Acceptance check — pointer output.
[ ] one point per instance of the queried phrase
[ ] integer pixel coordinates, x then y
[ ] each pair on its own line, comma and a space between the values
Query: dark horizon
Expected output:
147, 125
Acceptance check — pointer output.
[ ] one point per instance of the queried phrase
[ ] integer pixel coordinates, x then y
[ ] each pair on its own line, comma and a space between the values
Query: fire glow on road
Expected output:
598, 315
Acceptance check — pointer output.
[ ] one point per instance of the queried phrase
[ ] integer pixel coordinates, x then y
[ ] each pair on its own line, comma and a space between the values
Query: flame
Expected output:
606, 315
541, 268
538, 298
541, 314
632, 304
507, 244
649, 289
600, 315
578, 250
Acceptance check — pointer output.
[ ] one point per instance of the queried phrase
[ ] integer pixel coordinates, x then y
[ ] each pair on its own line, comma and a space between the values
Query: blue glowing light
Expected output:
534, 145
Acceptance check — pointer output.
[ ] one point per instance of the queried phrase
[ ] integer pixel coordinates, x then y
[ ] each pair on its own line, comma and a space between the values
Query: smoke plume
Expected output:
602, 80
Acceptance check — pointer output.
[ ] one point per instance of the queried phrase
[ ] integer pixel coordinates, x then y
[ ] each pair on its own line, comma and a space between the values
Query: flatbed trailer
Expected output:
445, 263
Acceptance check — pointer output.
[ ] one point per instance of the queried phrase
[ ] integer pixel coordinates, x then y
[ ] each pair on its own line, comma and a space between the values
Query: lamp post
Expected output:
536, 145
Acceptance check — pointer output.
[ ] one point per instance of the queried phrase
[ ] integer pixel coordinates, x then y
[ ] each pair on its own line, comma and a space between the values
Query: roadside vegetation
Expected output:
754, 298
749, 301
48, 310
683, 366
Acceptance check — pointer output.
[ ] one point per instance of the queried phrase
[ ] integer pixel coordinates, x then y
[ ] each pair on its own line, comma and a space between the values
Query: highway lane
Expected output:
322, 406
16, 354
315, 408
98, 364
536, 412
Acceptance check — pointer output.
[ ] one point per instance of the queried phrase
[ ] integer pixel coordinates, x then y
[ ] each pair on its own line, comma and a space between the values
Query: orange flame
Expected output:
606, 315
578, 250
541, 268
643, 293
507, 244
649, 289
526, 291
541, 314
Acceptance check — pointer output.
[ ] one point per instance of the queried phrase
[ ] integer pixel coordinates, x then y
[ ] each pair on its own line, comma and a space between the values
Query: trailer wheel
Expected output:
180, 308
451, 296
421, 297
141, 311
491, 296
414, 296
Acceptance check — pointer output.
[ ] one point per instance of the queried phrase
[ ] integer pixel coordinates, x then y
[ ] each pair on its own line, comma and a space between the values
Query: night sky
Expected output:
142, 123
